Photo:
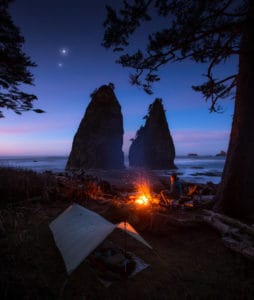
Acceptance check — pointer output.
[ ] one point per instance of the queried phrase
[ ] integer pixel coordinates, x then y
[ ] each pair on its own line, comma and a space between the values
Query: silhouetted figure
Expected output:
175, 191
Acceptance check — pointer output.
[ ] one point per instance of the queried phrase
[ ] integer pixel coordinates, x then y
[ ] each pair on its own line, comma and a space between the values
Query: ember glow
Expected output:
143, 196
142, 200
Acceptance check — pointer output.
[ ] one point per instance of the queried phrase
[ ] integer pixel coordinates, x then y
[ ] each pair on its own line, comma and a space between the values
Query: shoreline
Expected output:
198, 170
124, 179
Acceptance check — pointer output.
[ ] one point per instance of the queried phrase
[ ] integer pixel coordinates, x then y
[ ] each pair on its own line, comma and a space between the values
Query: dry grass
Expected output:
17, 185
187, 263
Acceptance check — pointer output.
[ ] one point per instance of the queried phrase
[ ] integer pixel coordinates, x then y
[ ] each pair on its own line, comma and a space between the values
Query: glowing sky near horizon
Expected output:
64, 39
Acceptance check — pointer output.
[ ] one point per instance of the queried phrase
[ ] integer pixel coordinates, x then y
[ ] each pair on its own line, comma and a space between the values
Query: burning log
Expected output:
143, 195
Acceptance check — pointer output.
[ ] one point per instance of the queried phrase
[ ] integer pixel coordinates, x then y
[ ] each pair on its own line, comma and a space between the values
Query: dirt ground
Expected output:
185, 263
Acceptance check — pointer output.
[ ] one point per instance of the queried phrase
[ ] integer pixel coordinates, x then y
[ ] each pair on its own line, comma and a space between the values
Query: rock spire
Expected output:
153, 146
98, 141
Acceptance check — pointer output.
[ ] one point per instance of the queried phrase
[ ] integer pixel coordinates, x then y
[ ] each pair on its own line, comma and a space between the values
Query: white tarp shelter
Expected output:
78, 231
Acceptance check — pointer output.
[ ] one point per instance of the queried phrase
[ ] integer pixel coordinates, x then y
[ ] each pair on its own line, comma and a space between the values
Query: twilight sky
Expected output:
64, 38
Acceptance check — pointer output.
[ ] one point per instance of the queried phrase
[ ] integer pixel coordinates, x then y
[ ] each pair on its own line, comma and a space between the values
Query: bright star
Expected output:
64, 51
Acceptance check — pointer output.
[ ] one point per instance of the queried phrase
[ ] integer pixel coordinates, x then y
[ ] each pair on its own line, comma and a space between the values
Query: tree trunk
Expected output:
235, 195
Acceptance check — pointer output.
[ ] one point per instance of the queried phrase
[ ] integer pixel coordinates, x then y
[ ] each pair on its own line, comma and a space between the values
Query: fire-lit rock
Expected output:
153, 147
98, 141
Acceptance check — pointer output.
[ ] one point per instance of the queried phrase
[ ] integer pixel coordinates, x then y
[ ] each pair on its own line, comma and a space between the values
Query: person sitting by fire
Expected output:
175, 191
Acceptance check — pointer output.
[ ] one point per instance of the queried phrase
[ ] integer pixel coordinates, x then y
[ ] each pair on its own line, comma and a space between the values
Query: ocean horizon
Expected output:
196, 169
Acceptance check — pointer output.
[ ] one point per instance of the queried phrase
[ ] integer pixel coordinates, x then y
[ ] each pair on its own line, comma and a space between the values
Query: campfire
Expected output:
143, 196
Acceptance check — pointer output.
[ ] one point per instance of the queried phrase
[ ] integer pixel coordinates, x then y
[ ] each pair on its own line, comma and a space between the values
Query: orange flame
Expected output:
143, 195
142, 200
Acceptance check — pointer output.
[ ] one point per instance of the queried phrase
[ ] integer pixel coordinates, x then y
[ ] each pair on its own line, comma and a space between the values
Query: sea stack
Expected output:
153, 146
98, 141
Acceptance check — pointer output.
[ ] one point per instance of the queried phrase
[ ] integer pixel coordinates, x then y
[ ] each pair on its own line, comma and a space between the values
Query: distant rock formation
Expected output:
98, 141
153, 146
222, 153
192, 155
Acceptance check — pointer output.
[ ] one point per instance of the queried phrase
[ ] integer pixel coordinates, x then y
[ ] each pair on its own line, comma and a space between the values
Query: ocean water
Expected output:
199, 169
35, 163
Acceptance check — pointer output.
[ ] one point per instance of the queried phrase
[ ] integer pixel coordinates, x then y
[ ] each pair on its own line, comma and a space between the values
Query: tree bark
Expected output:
235, 196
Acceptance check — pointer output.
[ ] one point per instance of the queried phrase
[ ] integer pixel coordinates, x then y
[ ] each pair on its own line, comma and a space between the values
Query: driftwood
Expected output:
187, 201
236, 235
233, 222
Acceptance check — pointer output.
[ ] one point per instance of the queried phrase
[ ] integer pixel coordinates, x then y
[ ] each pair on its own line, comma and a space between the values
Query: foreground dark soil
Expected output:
185, 263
